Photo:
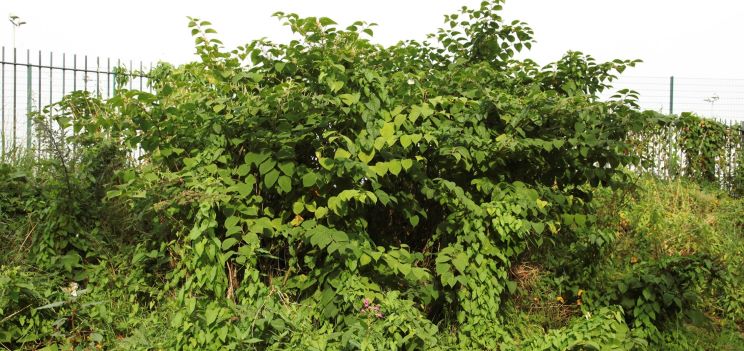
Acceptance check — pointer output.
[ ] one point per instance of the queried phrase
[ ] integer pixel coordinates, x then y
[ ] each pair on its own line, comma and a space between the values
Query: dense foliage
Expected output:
329, 193
689, 146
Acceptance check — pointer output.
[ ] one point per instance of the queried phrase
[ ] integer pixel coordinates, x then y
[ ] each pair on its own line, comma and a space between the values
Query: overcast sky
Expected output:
682, 38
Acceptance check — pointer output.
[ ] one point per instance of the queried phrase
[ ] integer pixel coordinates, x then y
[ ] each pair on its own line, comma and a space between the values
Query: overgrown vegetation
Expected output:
696, 148
329, 193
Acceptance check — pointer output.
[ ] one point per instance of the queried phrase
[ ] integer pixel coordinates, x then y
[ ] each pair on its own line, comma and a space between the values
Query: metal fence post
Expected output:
51, 72
29, 99
15, 97
38, 108
2, 127
74, 72
98, 77
671, 95
108, 77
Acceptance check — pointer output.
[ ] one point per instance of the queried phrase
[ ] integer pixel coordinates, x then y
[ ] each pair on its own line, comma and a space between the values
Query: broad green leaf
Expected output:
211, 314
287, 168
349, 99
243, 170
309, 179
325, 21
298, 207
387, 131
405, 141
414, 220
228, 243
285, 183
335, 85
365, 259
381, 168
538, 227
426, 110
231, 221
394, 167
366, 158
266, 166
379, 143
460, 262
252, 158
321, 212
339, 236
414, 114
246, 188
341, 154
199, 247
326, 163
271, 178
580, 219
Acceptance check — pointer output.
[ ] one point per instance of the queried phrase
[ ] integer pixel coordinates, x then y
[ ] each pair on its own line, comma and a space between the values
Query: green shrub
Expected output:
603, 330
658, 291
20, 294
330, 193
333, 170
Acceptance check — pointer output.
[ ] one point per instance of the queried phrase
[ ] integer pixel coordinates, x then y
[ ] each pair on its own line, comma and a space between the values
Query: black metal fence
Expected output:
31, 80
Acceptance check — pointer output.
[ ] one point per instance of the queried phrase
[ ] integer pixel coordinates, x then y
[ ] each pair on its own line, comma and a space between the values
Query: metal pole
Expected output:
118, 65
38, 140
85, 73
98, 77
29, 99
64, 90
74, 72
2, 127
108, 77
51, 90
15, 95
671, 95
64, 65
39, 73
51, 64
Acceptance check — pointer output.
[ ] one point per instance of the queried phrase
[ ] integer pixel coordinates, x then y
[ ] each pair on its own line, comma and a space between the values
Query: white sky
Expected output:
683, 38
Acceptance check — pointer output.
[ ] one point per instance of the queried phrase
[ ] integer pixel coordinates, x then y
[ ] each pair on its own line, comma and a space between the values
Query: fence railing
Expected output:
716, 98
31, 80
715, 155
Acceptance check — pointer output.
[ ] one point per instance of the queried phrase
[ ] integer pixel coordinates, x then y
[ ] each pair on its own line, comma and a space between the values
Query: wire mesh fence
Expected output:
708, 97
31, 80
714, 155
